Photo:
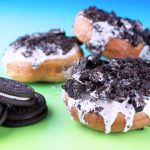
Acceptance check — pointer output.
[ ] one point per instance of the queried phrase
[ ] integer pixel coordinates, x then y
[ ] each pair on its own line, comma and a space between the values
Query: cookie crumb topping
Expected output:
108, 25
54, 42
111, 80
41, 47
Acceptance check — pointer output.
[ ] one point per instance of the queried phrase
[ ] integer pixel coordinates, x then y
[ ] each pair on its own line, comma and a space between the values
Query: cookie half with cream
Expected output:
15, 93
110, 96
114, 36
42, 57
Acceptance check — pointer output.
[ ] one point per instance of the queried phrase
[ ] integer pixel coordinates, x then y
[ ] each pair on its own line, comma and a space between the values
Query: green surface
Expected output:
58, 132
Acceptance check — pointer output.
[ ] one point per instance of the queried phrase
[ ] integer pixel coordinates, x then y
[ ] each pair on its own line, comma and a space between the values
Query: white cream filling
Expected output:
109, 112
38, 57
14, 97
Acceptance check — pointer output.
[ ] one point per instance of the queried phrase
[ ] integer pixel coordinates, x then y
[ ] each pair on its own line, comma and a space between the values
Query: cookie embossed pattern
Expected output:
110, 96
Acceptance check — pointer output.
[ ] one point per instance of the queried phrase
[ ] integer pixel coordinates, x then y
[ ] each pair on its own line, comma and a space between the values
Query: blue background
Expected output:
18, 17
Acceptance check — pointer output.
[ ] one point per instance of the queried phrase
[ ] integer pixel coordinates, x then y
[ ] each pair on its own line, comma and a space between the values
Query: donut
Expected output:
115, 37
42, 57
109, 95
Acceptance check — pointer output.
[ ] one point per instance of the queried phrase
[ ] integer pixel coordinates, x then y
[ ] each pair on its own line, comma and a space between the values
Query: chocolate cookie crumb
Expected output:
50, 43
112, 80
130, 30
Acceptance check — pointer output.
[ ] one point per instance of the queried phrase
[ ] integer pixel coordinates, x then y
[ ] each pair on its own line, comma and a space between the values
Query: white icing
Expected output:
145, 53
147, 107
12, 55
126, 24
76, 76
81, 15
63, 95
109, 112
90, 58
94, 94
70, 104
104, 34
14, 97
129, 112
67, 72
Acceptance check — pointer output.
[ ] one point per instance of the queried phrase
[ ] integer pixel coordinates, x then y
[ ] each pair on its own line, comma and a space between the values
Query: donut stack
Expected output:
110, 95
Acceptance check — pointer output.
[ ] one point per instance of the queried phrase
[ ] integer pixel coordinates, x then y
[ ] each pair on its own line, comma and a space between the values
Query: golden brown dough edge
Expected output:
96, 121
83, 28
50, 70
116, 48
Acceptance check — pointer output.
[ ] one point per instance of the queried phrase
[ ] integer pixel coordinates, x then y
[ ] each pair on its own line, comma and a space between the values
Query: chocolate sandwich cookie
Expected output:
21, 116
3, 113
15, 93
1, 108
21, 123
22, 113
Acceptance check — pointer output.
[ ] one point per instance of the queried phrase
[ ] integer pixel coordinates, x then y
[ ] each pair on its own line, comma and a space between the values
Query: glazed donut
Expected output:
116, 37
42, 57
110, 96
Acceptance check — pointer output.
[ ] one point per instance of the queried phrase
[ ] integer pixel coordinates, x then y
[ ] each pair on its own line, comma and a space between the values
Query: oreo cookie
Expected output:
15, 93
3, 113
19, 104
23, 116
24, 113
20, 123
1, 108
